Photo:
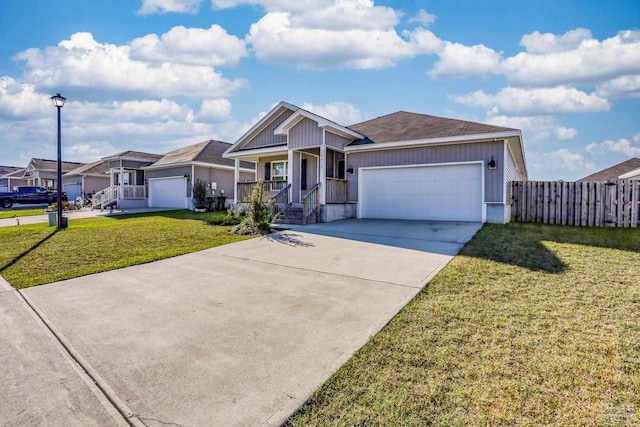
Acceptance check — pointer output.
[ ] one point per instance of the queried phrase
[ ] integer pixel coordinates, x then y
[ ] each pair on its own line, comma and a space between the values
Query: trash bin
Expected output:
220, 203
65, 222
53, 219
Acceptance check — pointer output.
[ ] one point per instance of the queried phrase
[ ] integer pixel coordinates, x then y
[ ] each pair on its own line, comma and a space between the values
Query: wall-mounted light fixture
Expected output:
492, 163
186, 175
350, 170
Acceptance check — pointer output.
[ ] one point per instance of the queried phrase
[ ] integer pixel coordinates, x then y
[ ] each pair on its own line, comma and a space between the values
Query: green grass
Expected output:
18, 212
530, 325
37, 254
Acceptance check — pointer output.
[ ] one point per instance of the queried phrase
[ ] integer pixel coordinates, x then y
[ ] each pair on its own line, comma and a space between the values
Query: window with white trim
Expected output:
279, 171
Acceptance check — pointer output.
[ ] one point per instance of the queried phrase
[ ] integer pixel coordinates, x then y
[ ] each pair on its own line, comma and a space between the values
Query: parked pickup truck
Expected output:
29, 195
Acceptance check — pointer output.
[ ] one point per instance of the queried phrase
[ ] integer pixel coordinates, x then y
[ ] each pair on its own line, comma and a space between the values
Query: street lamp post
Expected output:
58, 102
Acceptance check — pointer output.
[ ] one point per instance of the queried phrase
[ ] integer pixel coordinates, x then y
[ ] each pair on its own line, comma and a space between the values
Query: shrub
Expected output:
199, 194
259, 214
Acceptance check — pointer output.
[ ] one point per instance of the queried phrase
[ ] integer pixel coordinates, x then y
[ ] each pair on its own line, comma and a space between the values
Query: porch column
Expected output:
121, 195
236, 180
110, 178
290, 173
323, 174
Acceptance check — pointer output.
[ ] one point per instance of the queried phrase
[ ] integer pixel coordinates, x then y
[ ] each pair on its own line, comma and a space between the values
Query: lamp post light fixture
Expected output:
58, 102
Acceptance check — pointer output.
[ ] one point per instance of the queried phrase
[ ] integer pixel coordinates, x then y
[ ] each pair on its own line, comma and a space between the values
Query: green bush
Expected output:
259, 215
199, 194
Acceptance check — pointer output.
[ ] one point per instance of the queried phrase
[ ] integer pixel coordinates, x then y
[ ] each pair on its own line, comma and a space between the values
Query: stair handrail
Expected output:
311, 203
281, 199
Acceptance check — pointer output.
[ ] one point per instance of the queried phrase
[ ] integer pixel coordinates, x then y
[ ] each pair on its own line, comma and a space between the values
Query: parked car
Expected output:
29, 195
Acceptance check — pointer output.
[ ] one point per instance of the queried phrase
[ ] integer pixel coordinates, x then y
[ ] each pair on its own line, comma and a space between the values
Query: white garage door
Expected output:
73, 190
437, 193
168, 192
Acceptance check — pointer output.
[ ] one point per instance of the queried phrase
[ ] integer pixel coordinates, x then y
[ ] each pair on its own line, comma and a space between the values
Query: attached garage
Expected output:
73, 190
445, 192
168, 192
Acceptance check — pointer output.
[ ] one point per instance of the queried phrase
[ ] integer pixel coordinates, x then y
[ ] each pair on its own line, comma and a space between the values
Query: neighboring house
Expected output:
629, 169
44, 173
171, 178
401, 166
11, 177
139, 179
127, 186
85, 180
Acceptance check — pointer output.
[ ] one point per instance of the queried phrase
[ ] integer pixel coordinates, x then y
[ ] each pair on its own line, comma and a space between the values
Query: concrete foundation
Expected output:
498, 213
337, 212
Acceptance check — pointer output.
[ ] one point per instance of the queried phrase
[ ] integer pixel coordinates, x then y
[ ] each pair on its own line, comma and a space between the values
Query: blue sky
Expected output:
155, 75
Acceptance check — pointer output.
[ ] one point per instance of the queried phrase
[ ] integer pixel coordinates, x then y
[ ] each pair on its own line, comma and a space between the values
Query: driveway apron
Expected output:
242, 334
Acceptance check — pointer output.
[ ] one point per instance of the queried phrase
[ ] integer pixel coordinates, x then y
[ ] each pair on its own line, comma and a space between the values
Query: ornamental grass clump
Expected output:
259, 214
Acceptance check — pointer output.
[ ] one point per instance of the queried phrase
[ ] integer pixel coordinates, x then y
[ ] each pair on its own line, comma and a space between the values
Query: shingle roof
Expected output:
138, 155
4, 170
45, 164
612, 173
203, 152
100, 167
404, 126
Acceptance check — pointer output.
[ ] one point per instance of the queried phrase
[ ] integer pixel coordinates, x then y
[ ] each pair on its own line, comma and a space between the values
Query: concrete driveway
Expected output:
241, 334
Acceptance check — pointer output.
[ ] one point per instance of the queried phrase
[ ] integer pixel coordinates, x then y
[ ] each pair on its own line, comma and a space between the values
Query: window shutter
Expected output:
267, 171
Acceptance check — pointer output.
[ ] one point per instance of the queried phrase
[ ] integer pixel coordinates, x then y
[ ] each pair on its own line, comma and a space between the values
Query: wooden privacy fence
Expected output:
592, 204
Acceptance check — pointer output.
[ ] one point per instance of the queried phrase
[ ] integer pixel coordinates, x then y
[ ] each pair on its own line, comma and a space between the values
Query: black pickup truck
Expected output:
29, 195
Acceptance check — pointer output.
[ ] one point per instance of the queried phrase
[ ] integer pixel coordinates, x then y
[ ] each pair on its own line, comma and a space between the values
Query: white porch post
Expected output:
236, 180
290, 173
323, 174
121, 195
111, 180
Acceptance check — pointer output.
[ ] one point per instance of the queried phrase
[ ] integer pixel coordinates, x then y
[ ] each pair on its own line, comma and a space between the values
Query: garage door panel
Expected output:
439, 193
168, 193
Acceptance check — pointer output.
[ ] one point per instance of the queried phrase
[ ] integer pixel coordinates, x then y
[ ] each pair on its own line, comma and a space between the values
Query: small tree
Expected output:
199, 195
259, 214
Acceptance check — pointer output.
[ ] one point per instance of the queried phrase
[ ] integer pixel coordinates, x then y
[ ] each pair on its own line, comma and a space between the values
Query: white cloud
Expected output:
83, 62
537, 43
514, 101
19, 100
339, 112
195, 46
561, 163
622, 87
215, 109
164, 6
423, 17
624, 146
535, 128
458, 60
573, 57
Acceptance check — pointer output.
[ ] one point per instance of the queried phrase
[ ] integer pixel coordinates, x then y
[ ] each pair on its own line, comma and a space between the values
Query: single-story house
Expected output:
138, 179
44, 173
85, 180
629, 169
172, 177
399, 166
11, 177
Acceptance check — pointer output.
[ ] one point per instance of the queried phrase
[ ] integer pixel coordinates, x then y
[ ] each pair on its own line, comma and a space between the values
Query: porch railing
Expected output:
311, 204
246, 188
281, 198
336, 190
111, 195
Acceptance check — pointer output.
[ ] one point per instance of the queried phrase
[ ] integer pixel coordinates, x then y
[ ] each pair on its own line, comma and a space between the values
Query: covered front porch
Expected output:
308, 180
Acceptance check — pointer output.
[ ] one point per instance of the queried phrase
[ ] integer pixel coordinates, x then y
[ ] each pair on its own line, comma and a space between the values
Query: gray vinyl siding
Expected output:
510, 173
94, 183
336, 141
266, 137
168, 172
305, 134
295, 188
494, 184
312, 171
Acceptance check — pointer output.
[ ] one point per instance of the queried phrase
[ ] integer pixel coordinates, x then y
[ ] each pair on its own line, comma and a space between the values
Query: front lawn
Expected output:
530, 325
18, 212
36, 254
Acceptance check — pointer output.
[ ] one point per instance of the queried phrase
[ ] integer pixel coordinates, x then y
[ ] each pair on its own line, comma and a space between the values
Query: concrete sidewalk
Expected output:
238, 335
